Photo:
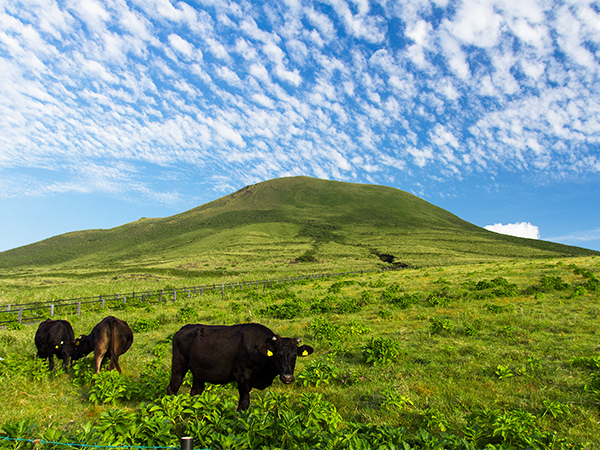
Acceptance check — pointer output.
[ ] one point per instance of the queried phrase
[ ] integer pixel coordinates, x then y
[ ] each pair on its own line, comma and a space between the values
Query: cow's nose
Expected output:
287, 379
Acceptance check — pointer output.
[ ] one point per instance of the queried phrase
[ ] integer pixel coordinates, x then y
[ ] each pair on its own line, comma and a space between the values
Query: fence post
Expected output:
7, 308
187, 443
160, 296
189, 293
174, 294
51, 310
20, 318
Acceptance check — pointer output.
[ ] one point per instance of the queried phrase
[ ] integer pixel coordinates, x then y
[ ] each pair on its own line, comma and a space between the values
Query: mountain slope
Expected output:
286, 220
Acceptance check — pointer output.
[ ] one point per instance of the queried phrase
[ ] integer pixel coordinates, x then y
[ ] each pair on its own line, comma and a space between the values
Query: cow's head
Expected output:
65, 348
82, 347
284, 352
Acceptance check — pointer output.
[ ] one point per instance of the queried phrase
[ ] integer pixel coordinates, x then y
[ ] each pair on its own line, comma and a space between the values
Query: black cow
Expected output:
109, 339
55, 337
250, 354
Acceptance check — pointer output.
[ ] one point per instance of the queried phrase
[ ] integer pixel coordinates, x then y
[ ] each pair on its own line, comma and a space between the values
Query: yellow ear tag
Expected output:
304, 353
56, 347
77, 343
269, 353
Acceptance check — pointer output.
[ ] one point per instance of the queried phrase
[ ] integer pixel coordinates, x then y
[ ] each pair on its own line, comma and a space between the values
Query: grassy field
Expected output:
502, 354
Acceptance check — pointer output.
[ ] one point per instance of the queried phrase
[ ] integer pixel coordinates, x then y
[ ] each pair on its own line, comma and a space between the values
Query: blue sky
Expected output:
114, 110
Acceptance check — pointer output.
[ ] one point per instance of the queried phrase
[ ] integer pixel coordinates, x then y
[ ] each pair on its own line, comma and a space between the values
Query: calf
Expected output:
250, 354
109, 339
55, 337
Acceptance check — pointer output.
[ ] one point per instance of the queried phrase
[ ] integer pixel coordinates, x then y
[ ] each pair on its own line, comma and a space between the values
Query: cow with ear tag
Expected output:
55, 337
249, 354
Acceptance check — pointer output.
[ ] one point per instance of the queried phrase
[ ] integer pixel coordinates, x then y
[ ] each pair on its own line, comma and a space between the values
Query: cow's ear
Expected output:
266, 349
305, 350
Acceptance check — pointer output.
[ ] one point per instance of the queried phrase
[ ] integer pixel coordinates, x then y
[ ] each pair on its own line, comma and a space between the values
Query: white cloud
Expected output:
520, 229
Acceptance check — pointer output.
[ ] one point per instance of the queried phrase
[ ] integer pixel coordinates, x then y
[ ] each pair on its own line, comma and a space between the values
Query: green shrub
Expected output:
404, 301
286, 310
144, 325
380, 350
438, 325
108, 386
437, 299
324, 330
318, 372
187, 314
348, 306
367, 297
323, 305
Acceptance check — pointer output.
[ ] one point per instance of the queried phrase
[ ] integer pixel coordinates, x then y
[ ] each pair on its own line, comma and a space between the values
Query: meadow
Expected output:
492, 355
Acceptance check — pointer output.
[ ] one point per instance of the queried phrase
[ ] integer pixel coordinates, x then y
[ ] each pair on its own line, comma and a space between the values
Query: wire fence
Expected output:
23, 313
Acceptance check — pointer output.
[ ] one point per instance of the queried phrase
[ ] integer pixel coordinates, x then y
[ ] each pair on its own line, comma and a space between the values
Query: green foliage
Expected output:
509, 429
286, 310
108, 387
349, 306
379, 350
25, 366
439, 325
187, 314
437, 299
323, 305
317, 373
324, 330
145, 325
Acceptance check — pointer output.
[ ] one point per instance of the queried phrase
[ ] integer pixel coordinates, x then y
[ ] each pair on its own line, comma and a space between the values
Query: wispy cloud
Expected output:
371, 91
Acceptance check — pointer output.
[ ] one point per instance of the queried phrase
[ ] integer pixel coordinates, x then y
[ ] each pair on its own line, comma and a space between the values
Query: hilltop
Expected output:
284, 221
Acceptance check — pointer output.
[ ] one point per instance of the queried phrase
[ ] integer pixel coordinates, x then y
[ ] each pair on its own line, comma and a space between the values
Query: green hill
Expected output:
283, 221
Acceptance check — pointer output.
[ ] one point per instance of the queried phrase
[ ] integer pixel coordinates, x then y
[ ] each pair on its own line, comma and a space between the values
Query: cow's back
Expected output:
112, 331
217, 352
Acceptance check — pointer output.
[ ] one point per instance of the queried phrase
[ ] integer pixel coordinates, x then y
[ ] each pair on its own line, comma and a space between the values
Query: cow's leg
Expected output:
114, 363
179, 367
51, 361
66, 360
244, 391
98, 356
197, 387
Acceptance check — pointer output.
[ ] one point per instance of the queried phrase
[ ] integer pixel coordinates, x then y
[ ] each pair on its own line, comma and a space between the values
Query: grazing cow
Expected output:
250, 354
55, 337
109, 339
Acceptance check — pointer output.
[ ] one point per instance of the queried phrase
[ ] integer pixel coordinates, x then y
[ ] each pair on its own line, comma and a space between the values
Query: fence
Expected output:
186, 443
34, 312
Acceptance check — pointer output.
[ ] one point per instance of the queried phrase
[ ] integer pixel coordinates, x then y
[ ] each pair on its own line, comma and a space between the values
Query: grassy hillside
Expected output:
491, 355
277, 222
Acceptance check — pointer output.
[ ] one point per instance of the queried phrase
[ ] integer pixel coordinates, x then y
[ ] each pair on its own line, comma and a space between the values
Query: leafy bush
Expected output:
324, 330
349, 306
318, 372
187, 314
336, 287
367, 297
286, 310
323, 305
404, 301
144, 325
438, 325
437, 299
381, 351
108, 387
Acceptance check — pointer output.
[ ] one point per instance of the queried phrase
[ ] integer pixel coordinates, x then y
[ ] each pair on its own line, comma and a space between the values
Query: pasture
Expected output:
491, 355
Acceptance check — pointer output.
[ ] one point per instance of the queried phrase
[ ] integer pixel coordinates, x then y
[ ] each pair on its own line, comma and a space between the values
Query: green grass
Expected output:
511, 342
